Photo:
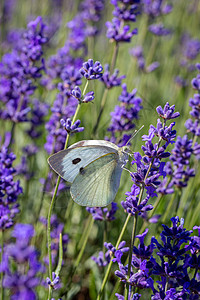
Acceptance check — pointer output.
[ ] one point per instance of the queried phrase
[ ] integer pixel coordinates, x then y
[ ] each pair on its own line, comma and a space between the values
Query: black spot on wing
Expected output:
82, 171
76, 161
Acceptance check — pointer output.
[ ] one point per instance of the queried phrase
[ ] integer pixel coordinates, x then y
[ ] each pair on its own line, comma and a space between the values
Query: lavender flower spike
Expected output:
71, 128
119, 33
55, 282
91, 70
76, 93
167, 112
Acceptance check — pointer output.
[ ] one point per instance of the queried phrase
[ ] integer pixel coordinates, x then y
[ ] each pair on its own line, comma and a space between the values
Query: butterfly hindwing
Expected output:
97, 183
67, 163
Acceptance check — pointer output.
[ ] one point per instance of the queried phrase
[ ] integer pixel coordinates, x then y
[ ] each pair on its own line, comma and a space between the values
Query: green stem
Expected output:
114, 57
2, 245
51, 209
53, 200
150, 214
111, 262
132, 242
194, 140
103, 248
130, 254
86, 228
86, 236
84, 245
103, 102
12, 133
49, 232
135, 224
104, 235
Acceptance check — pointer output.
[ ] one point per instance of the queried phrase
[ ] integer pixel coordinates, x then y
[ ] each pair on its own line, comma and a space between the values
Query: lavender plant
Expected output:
49, 100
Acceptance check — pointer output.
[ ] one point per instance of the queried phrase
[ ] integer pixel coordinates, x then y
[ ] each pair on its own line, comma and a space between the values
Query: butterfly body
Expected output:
94, 168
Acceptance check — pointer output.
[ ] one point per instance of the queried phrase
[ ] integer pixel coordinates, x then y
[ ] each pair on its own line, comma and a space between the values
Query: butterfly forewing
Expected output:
97, 183
67, 163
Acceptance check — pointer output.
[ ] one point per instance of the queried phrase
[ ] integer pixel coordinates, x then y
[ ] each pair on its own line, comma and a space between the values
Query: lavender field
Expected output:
122, 71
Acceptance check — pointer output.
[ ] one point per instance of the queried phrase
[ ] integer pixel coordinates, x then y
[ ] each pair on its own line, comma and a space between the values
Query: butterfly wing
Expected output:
67, 163
95, 143
97, 184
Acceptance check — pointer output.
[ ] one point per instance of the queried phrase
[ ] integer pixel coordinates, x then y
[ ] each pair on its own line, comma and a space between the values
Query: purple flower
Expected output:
164, 132
137, 279
38, 112
150, 168
67, 125
101, 214
64, 107
24, 167
190, 46
156, 8
57, 228
181, 82
179, 169
117, 252
23, 232
111, 80
91, 70
169, 262
137, 52
143, 251
103, 259
55, 283
171, 293
80, 26
124, 116
118, 34
125, 10
9, 189
159, 29
131, 205
71, 78
196, 83
19, 256
19, 71
190, 49
56, 65
92, 9
193, 125
153, 66
182, 151
167, 112
135, 296
76, 92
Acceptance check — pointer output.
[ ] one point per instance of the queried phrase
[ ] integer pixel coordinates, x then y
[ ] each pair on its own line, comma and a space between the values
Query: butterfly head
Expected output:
123, 155
126, 149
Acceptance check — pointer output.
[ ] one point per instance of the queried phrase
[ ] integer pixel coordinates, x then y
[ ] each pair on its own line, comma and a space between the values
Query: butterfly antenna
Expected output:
124, 168
131, 155
134, 134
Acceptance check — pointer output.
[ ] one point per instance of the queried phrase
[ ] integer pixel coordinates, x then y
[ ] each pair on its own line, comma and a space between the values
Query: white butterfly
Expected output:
94, 168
